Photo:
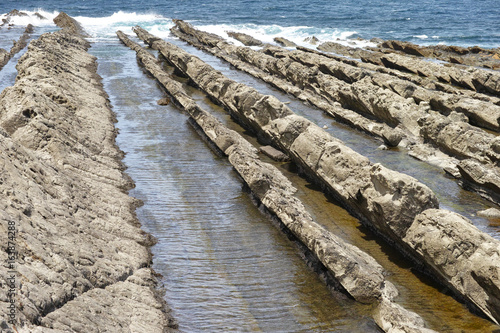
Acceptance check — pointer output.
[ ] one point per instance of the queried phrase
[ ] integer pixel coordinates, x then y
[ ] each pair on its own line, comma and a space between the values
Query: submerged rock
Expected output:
406, 47
163, 101
274, 153
492, 213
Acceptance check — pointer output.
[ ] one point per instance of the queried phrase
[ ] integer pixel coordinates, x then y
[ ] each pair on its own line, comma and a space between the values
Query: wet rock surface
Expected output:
77, 258
391, 203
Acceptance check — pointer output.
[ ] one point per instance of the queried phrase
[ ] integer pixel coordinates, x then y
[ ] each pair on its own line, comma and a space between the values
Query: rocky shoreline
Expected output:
351, 269
74, 242
436, 122
395, 205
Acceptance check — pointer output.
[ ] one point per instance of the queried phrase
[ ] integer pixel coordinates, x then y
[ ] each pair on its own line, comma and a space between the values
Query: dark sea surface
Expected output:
462, 22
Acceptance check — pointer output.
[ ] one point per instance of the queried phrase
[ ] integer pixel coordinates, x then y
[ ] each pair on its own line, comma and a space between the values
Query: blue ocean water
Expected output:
457, 22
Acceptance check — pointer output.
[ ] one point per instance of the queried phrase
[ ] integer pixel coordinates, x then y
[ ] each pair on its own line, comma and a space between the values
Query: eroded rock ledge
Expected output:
397, 206
18, 46
78, 259
435, 121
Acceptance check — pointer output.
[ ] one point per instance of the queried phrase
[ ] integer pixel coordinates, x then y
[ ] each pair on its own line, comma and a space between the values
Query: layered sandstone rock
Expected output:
80, 261
356, 272
389, 202
244, 38
460, 254
301, 81
349, 91
472, 56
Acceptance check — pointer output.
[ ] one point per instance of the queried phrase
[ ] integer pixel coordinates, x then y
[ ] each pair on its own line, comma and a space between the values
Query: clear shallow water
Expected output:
225, 266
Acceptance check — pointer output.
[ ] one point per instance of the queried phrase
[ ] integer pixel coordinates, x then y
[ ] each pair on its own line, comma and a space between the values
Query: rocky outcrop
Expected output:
356, 272
469, 78
302, 81
10, 14
479, 112
479, 80
456, 137
406, 47
460, 254
247, 40
472, 56
74, 255
69, 24
18, 46
284, 42
308, 145
347, 91
482, 178
352, 52
387, 201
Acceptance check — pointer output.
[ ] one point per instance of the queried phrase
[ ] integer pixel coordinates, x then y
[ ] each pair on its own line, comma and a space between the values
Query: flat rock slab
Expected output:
274, 153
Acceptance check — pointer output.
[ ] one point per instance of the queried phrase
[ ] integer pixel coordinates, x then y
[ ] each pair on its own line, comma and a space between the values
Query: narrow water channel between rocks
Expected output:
225, 266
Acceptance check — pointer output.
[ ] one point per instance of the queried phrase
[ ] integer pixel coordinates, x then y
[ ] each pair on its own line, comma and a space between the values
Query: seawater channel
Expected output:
225, 265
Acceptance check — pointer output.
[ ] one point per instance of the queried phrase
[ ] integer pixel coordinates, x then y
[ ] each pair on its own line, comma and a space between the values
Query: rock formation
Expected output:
398, 207
284, 42
18, 46
244, 38
472, 56
77, 259
403, 106
355, 271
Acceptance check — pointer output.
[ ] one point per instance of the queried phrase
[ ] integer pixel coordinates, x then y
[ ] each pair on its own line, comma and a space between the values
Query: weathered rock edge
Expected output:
356, 272
475, 79
325, 82
79, 260
387, 201
18, 46
304, 83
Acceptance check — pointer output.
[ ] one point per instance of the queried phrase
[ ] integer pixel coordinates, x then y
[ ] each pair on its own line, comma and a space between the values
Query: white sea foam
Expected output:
106, 27
32, 18
99, 27
421, 36
296, 34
